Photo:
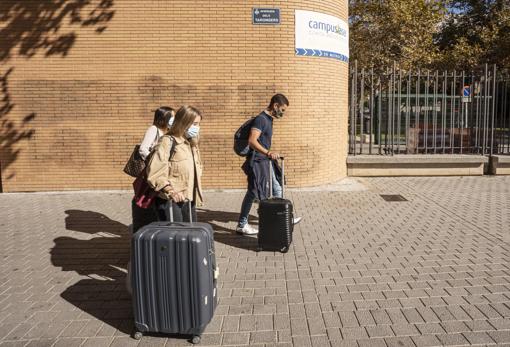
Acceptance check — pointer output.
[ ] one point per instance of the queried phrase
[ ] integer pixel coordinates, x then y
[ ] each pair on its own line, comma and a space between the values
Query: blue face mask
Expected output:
192, 131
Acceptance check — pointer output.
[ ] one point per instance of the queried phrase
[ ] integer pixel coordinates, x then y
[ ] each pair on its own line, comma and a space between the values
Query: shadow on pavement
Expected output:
103, 259
224, 235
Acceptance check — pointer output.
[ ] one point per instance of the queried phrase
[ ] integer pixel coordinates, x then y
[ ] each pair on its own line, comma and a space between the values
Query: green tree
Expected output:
401, 31
475, 32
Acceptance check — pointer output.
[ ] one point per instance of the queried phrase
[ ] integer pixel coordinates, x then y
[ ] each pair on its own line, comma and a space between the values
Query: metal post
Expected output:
379, 114
500, 116
388, 116
353, 108
456, 117
394, 101
477, 117
371, 109
493, 108
444, 108
452, 112
392, 128
362, 110
502, 111
399, 115
417, 110
462, 106
506, 117
485, 109
408, 104
434, 111
426, 122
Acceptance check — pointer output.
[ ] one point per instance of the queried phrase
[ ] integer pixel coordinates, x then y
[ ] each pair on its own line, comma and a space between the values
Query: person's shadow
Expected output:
103, 258
224, 224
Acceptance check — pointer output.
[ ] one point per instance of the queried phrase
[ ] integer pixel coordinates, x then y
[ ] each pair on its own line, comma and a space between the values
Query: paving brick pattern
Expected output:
432, 271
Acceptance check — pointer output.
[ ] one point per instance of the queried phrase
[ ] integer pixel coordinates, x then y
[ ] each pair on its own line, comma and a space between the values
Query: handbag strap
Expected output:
172, 149
157, 135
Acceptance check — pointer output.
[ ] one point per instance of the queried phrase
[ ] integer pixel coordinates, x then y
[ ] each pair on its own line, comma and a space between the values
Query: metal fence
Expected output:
429, 112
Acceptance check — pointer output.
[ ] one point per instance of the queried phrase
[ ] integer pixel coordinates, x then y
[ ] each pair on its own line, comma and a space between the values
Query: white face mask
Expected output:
170, 122
192, 131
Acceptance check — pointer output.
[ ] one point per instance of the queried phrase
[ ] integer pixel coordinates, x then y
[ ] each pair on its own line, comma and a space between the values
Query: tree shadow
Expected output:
224, 234
36, 25
10, 133
26, 28
103, 259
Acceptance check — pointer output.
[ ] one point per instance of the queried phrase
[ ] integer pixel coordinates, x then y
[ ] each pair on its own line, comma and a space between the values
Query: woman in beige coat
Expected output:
175, 168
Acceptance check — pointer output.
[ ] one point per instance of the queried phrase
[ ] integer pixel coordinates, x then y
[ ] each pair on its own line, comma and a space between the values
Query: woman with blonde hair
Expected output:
175, 168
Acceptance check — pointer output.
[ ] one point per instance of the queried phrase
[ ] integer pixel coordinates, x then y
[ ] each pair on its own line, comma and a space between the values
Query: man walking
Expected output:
256, 165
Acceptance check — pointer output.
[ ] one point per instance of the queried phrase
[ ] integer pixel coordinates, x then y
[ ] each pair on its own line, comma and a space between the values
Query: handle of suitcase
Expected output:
271, 177
171, 210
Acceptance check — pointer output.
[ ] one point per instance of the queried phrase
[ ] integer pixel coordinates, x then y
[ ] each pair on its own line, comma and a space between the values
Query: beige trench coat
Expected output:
183, 172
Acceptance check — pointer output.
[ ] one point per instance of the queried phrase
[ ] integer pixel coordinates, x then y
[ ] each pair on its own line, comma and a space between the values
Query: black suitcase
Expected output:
173, 278
275, 219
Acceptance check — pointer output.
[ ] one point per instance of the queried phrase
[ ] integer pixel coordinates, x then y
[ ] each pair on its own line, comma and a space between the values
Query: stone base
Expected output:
500, 165
416, 165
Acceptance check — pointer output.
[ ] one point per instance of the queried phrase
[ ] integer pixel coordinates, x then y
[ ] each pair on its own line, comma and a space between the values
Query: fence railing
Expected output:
429, 112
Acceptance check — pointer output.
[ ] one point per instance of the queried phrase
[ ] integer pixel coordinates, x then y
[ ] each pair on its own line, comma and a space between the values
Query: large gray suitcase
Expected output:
173, 278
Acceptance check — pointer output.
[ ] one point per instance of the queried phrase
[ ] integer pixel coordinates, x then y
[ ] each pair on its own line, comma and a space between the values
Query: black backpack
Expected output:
241, 146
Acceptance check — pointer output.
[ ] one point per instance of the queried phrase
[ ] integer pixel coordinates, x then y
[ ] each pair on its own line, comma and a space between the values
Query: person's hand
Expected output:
178, 197
273, 155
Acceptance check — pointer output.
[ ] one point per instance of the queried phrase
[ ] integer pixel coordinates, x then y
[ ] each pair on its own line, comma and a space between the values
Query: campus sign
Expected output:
321, 35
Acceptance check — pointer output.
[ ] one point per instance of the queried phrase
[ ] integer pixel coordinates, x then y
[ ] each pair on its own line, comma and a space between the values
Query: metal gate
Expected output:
429, 112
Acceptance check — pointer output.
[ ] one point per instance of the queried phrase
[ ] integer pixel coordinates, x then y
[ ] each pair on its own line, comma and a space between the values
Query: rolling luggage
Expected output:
275, 219
173, 278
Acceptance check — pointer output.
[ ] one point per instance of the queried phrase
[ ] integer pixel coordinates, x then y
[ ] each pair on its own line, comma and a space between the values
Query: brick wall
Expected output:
70, 120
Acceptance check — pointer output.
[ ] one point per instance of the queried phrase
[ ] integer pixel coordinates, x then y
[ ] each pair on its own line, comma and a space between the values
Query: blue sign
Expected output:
320, 53
466, 91
266, 16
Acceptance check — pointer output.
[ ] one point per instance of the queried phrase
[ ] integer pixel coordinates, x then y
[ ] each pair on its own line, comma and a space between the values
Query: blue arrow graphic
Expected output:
321, 53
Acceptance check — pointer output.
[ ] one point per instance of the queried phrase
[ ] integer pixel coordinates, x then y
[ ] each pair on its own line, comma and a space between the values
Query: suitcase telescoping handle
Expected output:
171, 212
271, 177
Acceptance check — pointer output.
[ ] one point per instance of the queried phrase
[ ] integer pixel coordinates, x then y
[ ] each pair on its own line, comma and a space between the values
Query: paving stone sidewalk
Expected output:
362, 271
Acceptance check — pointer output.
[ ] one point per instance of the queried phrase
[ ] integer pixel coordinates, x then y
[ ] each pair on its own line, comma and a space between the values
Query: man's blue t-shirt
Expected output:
264, 123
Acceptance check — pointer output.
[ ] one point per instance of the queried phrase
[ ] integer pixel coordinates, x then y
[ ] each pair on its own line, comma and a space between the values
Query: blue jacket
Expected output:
256, 167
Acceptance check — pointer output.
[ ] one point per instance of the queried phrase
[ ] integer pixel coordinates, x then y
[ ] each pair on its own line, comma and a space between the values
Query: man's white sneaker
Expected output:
296, 220
247, 230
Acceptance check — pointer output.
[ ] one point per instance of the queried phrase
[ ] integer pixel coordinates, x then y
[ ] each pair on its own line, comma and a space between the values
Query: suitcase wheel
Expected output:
195, 339
138, 335
284, 250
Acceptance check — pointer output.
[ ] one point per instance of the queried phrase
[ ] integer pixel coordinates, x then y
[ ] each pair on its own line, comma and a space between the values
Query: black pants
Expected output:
180, 210
142, 216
